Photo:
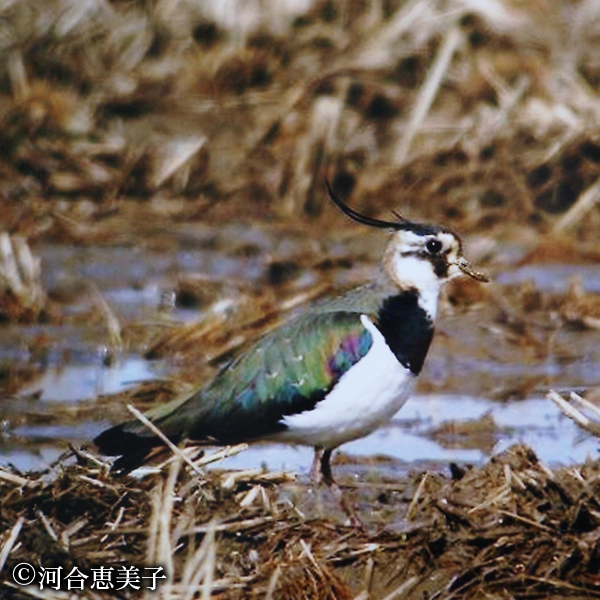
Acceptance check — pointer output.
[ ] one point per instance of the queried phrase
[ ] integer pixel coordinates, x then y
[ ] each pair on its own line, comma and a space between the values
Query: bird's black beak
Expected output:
464, 265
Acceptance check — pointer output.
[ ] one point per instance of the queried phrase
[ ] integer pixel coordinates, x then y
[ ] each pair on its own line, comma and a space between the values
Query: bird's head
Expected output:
418, 256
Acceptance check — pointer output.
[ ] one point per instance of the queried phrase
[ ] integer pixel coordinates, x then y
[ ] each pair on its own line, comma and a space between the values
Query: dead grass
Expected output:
513, 528
480, 114
22, 296
120, 120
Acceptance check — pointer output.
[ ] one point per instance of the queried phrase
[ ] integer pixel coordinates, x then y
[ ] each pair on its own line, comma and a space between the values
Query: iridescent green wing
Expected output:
287, 372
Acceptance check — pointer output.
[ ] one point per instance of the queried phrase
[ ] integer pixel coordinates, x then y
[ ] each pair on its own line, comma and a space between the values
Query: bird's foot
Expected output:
320, 473
347, 507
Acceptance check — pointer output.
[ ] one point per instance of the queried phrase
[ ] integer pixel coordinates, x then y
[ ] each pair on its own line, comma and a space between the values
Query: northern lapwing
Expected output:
333, 374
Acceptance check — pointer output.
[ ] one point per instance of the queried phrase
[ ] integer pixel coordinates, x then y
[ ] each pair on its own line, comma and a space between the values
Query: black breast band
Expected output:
407, 329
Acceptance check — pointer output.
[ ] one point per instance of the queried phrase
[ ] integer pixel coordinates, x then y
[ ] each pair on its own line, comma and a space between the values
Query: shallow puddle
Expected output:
553, 277
456, 416
429, 431
413, 438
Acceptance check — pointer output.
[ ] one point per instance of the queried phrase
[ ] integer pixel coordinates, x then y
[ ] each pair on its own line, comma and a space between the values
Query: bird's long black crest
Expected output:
364, 219
401, 224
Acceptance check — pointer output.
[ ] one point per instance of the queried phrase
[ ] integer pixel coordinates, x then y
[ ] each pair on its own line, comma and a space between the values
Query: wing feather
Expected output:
287, 372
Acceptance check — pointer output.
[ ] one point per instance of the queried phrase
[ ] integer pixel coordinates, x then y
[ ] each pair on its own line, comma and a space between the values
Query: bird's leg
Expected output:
316, 471
321, 472
326, 468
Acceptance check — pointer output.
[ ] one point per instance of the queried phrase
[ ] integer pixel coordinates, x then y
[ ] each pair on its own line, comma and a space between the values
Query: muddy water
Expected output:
475, 397
554, 278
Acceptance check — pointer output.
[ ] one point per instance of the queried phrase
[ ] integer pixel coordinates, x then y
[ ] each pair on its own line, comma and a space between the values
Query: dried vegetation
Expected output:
22, 297
478, 113
120, 120
513, 529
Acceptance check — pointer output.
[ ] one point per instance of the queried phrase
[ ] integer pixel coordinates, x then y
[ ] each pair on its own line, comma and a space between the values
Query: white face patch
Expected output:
414, 272
411, 264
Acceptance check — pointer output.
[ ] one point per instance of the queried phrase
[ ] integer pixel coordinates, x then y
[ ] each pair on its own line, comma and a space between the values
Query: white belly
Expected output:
365, 398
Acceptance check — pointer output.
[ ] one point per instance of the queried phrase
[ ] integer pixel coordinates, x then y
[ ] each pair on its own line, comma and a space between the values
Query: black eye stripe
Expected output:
438, 261
423, 254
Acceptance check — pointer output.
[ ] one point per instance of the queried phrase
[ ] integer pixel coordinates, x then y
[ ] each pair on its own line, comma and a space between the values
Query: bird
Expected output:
331, 374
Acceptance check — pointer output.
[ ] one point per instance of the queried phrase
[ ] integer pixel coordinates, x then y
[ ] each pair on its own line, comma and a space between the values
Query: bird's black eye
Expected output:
433, 245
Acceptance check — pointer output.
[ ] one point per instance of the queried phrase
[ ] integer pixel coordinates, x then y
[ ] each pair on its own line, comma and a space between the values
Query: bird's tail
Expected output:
132, 441
127, 442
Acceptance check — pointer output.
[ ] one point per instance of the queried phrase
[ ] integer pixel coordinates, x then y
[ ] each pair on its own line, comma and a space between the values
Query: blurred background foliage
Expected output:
482, 114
